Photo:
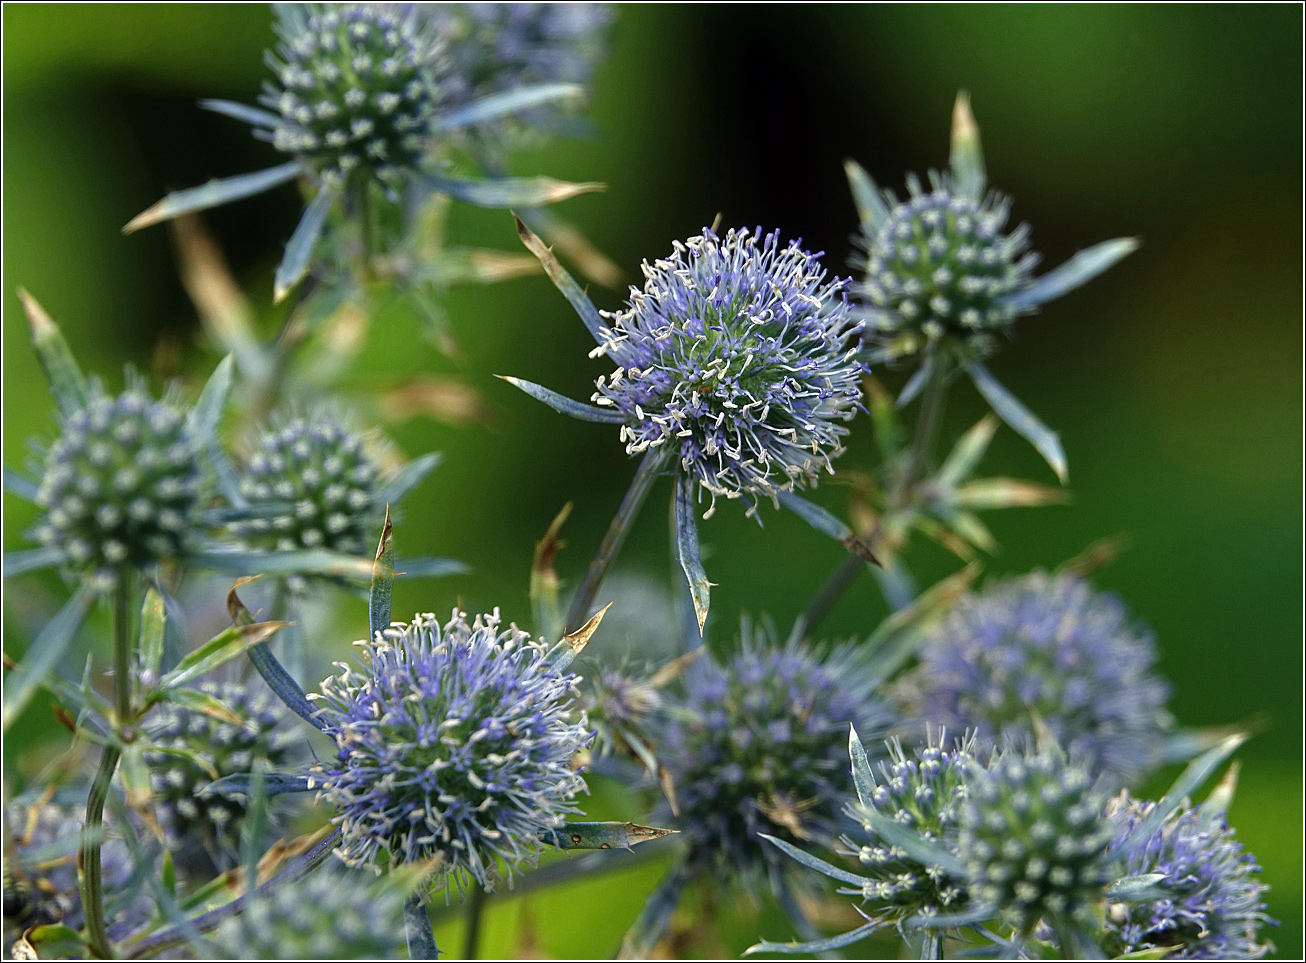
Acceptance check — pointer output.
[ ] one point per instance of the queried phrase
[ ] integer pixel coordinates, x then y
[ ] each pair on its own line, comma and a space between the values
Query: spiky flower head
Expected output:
924, 790
122, 485
1049, 647
759, 744
1213, 907
40, 877
330, 478
1033, 839
329, 915
189, 809
740, 355
941, 266
357, 89
504, 46
453, 742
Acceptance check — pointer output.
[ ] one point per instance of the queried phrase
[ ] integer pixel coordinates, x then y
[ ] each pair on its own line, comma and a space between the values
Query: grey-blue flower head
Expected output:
1047, 647
1033, 839
759, 744
455, 743
1212, 907
502, 46
328, 475
941, 268
330, 915
122, 485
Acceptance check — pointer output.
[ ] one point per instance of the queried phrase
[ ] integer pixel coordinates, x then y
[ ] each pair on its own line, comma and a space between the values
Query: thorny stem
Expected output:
93, 830
417, 929
899, 499
475, 913
615, 535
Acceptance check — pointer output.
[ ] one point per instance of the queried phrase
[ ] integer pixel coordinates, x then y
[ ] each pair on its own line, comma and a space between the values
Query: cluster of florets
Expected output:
122, 484
1049, 647
453, 742
357, 91
741, 356
328, 480
504, 46
759, 744
1033, 839
1213, 907
189, 809
330, 915
940, 266
40, 877
620, 705
924, 791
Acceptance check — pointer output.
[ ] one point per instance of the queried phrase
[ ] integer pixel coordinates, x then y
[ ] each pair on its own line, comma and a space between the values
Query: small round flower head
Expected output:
759, 744
356, 89
454, 742
1048, 646
939, 267
1213, 909
1033, 838
924, 790
40, 878
328, 475
505, 46
620, 704
122, 484
329, 915
190, 812
740, 354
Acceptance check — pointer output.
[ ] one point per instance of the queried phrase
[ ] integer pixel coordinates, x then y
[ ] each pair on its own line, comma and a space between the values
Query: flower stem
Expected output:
417, 928
93, 829
615, 535
899, 500
475, 913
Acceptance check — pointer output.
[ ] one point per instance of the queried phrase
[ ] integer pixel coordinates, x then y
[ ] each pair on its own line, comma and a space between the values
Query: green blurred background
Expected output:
1175, 380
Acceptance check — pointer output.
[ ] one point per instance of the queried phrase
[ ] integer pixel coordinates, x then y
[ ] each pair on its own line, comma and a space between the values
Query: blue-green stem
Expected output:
475, 914
93, 829
933, 399
613, 538
417, 929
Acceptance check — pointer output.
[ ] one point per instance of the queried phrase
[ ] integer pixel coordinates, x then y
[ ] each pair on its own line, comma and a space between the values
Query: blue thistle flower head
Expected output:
454, 743
503, 46
123, 484
925, 790
1048, 647
357, 90
740, 356
1034, 840
941, 268
190, 811
1213, 908
329, 915
759, 744
330, 476
942, 265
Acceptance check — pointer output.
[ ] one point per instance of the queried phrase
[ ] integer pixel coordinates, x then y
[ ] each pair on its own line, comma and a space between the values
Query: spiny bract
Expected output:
122, 484
1033, 839
330, 915
357, 89
741, 356
190, 812
1213, 909
940, 265
454, 742
1049, 647
923, 789
759, 744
